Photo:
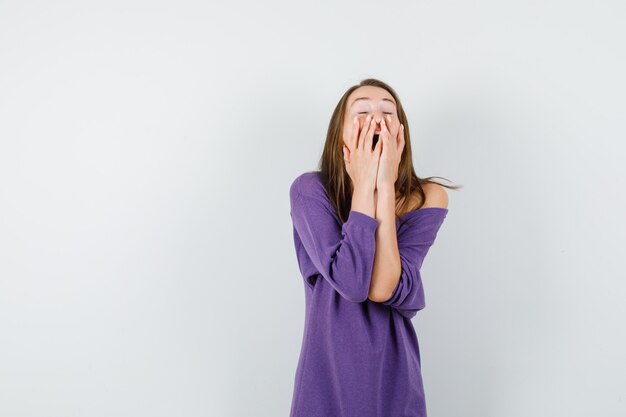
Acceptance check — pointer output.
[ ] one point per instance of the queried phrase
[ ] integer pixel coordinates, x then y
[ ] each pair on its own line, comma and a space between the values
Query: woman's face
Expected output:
374, 101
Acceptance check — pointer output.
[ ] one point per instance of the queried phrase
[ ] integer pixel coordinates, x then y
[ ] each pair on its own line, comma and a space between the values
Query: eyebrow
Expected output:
369, 98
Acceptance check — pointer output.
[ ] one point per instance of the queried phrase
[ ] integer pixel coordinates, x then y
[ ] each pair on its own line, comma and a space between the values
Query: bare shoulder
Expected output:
436, 195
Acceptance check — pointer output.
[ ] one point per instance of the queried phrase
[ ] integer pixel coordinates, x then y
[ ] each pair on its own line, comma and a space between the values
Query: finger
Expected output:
354, 133
369, 136
386, 135
391, 133
400, 136
364, 131
392, 127
384, 130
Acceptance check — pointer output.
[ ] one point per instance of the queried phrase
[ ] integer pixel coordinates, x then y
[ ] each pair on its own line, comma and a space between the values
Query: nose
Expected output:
378, 117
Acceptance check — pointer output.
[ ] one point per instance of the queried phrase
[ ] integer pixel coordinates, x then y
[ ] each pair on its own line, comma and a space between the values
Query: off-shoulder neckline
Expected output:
412, 212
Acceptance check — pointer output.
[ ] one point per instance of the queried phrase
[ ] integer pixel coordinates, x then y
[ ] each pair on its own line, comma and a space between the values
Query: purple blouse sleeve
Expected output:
342, 254
414, 241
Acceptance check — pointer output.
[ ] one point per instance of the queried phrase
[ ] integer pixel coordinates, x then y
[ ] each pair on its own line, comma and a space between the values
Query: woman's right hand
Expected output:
360, 159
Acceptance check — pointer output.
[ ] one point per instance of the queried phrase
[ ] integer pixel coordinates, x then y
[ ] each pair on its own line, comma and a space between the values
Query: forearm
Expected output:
387, 268
363, 200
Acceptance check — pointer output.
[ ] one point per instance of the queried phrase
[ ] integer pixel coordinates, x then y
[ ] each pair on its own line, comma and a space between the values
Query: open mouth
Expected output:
375, 140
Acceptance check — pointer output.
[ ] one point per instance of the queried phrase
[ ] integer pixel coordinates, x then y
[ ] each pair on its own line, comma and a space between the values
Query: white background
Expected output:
147, 265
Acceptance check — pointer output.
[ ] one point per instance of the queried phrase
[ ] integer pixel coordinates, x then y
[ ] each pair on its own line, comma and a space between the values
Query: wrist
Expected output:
364, 188
386, 188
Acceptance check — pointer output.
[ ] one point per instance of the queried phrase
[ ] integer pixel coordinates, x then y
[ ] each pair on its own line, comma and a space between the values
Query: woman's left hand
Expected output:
393, 145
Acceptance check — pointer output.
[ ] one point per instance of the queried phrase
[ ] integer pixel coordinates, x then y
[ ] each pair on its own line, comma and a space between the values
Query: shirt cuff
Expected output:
363, 220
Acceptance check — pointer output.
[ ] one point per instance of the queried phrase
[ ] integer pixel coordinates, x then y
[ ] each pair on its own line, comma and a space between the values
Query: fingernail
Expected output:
354, 120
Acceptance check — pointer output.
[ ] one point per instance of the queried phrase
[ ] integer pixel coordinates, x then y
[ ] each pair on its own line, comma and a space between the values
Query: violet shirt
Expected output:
359, 358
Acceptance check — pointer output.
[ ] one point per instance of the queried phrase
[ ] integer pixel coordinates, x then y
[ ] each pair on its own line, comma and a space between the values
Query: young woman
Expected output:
362, 226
